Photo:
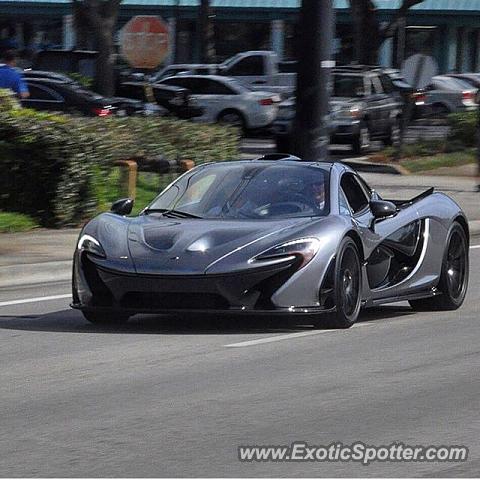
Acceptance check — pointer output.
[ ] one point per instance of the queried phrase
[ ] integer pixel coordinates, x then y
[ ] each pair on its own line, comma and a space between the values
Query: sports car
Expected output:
275, 235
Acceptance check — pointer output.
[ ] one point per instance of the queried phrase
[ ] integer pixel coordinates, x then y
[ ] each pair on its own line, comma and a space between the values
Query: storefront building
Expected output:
447, 29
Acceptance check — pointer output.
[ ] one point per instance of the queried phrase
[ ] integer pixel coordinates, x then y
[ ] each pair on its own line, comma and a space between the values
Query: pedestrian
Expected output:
10, 77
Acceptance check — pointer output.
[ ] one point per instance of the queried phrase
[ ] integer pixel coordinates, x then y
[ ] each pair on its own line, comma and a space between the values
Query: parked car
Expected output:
448, 94
275, 236
473, 79
364, 106
56, 92
261, 70
167, 98
185, 68
226, 100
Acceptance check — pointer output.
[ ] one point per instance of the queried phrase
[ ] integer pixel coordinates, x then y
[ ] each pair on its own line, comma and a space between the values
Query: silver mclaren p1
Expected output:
272, 236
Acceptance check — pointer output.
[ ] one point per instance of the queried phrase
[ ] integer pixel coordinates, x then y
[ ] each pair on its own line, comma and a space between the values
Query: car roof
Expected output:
284, 162
219, 78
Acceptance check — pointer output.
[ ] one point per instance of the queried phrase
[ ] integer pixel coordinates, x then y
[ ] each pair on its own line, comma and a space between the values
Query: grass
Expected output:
149, 185
11, 222
432, 162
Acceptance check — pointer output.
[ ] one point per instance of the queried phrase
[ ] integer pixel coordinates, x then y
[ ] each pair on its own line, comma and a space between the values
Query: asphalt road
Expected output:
169, 397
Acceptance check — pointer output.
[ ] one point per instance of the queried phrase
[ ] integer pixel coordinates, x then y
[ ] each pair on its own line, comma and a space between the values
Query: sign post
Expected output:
145, 41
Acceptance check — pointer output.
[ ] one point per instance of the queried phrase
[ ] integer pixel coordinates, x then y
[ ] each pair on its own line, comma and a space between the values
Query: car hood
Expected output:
197, 246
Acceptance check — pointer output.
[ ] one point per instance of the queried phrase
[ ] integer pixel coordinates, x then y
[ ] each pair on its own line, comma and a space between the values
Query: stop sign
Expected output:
144, 41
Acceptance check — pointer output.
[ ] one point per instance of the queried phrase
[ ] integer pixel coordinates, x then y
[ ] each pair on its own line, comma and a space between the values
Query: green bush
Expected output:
8, 101
463, 129
53, 165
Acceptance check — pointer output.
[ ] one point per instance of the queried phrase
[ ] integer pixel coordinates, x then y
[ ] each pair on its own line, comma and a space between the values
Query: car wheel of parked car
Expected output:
232, 118
347, 287
394, 134
105, 318
361, 141
454, 277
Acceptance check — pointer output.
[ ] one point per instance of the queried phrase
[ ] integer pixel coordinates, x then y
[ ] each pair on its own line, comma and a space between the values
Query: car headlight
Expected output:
351, 113
304, 249
91, 245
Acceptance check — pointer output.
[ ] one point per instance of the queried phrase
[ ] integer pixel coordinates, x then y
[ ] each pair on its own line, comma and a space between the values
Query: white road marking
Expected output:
280, 338
474, 247
34, 300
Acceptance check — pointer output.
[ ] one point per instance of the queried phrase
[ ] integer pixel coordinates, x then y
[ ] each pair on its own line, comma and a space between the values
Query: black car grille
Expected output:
173, 301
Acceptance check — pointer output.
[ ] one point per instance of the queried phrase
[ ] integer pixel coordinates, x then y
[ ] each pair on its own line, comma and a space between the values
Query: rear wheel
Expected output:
105, 318
347, 286
454, 276
233, 119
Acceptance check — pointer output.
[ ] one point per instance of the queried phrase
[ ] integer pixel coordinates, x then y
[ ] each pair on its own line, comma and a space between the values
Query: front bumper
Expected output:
340, 132
96, 288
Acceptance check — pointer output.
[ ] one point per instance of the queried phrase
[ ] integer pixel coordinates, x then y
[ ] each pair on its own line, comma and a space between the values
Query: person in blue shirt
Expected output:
11, 77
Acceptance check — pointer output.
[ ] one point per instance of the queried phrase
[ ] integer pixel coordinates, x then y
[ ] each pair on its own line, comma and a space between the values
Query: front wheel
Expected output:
347, 286
361, 141
453, 282
394, 134
105, 318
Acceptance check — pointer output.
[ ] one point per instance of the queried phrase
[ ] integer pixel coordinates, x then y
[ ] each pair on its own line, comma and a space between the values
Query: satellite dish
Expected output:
418, 70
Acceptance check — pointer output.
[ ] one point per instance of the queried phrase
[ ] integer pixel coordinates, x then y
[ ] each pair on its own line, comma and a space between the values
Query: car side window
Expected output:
356, 197
39, 92
212, 87
343, 204
387, 83
377, 85
248, 66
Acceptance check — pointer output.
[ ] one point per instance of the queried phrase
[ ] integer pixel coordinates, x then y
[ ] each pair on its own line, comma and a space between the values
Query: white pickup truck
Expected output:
261, 70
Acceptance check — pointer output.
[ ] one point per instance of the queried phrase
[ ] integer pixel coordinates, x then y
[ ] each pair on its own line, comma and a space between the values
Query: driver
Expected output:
317, 194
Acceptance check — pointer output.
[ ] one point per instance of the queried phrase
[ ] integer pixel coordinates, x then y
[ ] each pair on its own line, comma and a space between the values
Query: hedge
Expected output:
52, 163
463, 129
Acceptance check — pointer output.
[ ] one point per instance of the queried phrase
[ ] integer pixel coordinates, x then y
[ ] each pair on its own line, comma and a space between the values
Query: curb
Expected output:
50, 272
32, 273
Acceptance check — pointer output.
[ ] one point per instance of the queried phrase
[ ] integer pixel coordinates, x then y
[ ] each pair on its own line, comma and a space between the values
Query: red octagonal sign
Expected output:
144, 41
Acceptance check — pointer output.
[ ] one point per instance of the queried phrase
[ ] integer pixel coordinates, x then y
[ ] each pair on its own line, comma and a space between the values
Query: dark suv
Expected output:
365, 105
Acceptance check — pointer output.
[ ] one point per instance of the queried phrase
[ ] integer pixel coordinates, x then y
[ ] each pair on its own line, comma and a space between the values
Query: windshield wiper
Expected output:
171, 213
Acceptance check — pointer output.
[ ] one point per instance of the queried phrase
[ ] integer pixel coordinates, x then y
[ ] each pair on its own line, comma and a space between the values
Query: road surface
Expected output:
168, 397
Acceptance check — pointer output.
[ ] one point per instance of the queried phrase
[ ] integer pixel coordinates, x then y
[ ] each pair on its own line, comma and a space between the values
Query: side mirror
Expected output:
381, 209
123, 206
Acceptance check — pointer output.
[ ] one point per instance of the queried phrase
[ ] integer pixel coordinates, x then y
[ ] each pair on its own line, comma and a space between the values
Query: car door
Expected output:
43, 98
386, 104
376, 104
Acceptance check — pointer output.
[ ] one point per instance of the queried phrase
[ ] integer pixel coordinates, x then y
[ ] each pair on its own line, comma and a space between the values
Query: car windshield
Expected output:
248, 191
348, 86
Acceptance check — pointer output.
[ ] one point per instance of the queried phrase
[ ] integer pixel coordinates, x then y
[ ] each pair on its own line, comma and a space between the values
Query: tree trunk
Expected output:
366, 31
205, 33
104, 65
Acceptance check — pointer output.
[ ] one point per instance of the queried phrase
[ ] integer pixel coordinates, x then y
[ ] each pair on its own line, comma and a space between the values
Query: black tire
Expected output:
283, 143
361, 142
453, 282
394, 133
233, 118
347, 286
105, 318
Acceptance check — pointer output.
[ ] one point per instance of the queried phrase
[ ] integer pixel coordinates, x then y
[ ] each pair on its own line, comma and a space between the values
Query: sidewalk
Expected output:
45, 256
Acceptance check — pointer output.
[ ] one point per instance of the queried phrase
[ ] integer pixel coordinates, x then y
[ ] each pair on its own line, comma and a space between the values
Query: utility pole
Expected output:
311, 136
